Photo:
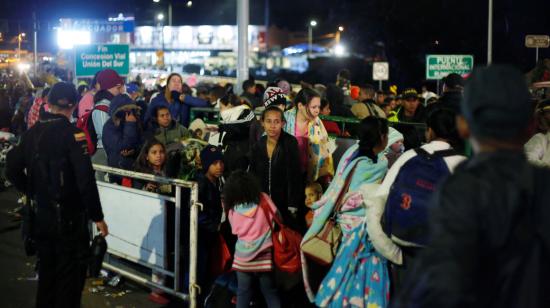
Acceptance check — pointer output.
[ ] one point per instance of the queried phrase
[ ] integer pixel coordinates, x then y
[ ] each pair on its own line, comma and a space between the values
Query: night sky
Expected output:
408, 29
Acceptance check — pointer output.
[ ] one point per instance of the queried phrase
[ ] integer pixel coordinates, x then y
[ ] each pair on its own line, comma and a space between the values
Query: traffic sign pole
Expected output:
380, 85
537, 56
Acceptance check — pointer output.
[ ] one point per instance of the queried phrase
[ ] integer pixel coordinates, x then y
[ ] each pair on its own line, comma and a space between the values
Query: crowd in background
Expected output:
284, 141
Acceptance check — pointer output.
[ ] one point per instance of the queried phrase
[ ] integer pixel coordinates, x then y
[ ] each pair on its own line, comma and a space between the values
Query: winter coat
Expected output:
174, 133
280, 177
210, 196
489, 238
119, 135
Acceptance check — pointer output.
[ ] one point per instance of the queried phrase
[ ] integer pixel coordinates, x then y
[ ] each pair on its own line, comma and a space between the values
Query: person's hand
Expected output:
127, 153
102, 228
130, 117
182, 98
151, 187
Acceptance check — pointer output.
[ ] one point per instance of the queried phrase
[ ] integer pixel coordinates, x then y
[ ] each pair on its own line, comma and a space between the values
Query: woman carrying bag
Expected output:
363, 163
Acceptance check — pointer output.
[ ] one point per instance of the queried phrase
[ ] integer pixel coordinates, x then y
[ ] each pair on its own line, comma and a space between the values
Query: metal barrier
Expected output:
191, 297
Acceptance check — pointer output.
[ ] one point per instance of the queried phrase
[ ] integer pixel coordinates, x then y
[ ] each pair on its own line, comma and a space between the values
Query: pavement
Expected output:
18, 280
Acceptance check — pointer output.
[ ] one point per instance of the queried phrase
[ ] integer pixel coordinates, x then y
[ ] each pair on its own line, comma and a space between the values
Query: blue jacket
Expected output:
180, 111
119, 135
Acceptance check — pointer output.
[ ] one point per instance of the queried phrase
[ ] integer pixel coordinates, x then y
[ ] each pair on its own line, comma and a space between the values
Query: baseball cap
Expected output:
453, 81
63, 94
409, 93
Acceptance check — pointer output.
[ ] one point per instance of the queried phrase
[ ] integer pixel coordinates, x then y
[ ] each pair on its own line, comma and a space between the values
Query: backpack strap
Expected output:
442, 153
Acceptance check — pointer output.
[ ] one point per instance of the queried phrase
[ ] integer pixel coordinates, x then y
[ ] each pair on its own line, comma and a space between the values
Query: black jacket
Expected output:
281, 179
210, 196
488, 219
58, 171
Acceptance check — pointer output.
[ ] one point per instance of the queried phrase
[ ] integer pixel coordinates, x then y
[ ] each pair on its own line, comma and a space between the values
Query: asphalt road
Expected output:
18, 281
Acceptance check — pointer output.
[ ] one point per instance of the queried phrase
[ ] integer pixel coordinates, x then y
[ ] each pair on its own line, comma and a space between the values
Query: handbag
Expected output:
220, 257
286, 243
323, 247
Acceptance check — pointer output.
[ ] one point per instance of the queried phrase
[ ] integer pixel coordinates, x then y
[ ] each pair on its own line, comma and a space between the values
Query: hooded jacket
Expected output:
119, 135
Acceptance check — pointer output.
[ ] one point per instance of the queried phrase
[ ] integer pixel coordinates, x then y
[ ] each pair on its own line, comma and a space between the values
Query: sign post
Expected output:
380, 72
537, 41
439, 66
89, 59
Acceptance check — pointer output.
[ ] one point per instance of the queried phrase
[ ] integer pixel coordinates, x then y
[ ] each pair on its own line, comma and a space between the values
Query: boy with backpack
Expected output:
405, 193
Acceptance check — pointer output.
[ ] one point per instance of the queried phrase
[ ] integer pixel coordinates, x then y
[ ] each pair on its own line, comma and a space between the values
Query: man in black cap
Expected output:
453, 86
52, 167
490, 236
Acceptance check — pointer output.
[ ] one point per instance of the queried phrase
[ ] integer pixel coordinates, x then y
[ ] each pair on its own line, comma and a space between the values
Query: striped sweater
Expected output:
253, 251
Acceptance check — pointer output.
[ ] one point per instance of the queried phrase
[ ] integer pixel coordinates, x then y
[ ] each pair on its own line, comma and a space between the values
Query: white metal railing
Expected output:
195, 206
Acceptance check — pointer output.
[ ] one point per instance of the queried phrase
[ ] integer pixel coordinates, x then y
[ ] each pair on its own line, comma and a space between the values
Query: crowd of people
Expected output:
387, 223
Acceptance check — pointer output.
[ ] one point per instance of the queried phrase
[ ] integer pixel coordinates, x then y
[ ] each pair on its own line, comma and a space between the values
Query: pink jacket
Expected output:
252, 228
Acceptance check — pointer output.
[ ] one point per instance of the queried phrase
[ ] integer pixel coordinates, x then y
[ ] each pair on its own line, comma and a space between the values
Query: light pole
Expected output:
160, 18
20, 37
312, 24
490, 34
170, 10
338, 33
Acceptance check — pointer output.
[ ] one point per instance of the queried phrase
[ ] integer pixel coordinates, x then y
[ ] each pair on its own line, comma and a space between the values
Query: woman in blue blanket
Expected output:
358, 276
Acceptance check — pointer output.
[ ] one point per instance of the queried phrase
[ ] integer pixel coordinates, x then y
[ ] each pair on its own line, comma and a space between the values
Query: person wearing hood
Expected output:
396, 146
178, 102
122, 133
234, 130
252, 261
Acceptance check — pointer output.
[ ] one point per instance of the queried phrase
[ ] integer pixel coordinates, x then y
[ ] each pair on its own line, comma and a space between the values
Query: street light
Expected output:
338, 33
312, 24
189, 3
160, 17
156, 1
20, 37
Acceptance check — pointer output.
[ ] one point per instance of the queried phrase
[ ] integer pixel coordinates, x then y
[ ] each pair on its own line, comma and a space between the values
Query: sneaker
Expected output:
158, 298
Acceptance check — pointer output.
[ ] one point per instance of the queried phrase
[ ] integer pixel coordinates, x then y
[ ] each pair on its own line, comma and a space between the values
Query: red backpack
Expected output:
86, 124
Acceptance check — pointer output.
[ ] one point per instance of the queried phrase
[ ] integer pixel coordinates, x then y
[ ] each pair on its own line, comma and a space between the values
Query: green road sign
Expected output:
93, 58
439, 66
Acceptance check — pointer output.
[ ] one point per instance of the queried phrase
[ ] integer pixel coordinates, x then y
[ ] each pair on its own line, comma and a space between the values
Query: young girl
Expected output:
303, 122
151, 160
253, 251
274, 162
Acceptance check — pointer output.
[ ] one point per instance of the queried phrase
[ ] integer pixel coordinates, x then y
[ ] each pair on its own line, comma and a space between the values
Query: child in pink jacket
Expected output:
253, 252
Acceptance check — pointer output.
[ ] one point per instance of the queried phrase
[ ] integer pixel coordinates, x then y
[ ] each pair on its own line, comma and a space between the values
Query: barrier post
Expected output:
177, 276
193, 239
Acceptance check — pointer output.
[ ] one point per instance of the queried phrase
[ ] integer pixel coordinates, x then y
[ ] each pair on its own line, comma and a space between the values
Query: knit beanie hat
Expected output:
209, 155
108, 79
63, 94
496, 102
274, 96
